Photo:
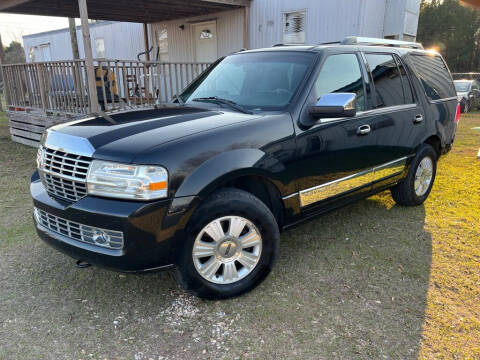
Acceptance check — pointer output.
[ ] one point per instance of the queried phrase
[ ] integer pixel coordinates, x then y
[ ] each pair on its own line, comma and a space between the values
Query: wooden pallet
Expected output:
27, 127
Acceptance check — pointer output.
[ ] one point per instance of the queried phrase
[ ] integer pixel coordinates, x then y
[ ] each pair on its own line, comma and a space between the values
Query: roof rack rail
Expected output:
276, 45
357, 40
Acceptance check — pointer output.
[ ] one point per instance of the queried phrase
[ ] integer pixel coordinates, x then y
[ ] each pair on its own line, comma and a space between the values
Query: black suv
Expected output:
261, 141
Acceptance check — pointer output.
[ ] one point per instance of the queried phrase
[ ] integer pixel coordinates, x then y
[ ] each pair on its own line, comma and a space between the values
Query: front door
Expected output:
205, 35
336, 156
42, 53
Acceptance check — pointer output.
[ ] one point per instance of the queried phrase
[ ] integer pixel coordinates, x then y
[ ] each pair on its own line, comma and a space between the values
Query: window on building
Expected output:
341, 73
386, 79
434, 76
206, 34
294, 24
162, 43
100, 47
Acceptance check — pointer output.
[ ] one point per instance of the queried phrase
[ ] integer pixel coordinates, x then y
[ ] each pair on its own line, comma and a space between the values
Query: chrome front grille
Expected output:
92, 235
65, 175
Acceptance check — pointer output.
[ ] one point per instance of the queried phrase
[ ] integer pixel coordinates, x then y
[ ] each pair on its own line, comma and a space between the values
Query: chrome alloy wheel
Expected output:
227, 249
423, 176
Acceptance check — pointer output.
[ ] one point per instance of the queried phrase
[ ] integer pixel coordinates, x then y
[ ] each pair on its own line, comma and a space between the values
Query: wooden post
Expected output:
73, 38
41, 80
87, 45
147, 45
3, 76
245, 27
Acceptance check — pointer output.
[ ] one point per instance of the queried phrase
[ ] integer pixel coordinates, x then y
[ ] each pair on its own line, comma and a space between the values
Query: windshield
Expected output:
255, 81
462, 86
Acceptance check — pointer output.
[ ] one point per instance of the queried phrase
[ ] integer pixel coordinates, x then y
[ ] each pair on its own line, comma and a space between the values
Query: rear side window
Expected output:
386, 79
434, 75
341, 73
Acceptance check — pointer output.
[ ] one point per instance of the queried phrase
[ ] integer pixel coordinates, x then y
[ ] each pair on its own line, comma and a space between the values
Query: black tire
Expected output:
229, 202
404, 193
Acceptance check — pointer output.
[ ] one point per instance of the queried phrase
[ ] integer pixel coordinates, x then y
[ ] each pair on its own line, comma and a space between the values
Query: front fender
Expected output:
227, 166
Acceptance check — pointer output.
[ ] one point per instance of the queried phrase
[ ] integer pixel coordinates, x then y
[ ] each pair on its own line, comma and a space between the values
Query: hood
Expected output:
462, 94
120, 137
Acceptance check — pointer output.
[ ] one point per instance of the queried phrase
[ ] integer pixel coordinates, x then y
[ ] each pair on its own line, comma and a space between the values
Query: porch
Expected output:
41, 94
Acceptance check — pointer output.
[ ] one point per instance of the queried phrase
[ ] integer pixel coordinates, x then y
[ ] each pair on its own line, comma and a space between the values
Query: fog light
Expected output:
101, 238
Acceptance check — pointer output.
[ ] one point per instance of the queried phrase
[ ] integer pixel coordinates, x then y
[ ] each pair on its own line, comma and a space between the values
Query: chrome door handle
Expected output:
363, 130
418, 119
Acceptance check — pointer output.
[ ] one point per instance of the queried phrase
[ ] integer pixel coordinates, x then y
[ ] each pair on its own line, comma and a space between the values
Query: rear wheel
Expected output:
232, 244
416, 187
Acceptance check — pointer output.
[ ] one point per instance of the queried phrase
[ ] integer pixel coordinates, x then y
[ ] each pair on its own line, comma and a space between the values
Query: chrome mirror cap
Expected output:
334, 105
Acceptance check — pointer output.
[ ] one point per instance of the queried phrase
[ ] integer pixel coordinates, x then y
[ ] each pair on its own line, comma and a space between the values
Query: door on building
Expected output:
205, 41
42, 53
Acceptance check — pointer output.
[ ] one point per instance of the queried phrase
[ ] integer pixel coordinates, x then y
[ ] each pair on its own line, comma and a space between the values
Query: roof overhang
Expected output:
143, 11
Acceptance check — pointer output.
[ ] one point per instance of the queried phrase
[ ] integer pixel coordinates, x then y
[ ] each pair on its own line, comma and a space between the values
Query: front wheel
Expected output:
231, 246
416, 187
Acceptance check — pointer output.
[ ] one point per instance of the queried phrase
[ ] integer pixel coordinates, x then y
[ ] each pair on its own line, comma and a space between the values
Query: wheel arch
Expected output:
242, 169
435, 142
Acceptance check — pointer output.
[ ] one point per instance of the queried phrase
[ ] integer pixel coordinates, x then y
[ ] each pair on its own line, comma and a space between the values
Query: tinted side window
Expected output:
341, 73
433, 74
386, 79
407, 86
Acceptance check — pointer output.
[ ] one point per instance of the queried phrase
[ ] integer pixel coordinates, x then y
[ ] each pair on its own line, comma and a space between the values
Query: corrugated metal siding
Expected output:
181, 42
402, 17
122, 41
330, 20
372, 18
326, 20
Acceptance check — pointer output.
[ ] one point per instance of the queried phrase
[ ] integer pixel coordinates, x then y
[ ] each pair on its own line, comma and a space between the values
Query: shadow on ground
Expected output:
350, 284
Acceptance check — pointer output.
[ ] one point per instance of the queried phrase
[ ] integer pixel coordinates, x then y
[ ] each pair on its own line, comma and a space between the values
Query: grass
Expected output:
370, 281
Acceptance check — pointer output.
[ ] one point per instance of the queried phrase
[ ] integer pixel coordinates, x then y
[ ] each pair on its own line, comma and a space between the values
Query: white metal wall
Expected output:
122, 41
329, 20
401, 17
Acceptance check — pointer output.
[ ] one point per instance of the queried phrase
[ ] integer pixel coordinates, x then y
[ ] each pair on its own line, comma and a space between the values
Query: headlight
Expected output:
135, 182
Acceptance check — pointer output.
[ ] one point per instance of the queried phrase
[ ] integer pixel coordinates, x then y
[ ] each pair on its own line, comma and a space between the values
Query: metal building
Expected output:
110, 39
266, 22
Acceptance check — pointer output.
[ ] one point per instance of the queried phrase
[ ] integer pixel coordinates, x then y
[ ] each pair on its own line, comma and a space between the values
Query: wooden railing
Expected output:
61, 86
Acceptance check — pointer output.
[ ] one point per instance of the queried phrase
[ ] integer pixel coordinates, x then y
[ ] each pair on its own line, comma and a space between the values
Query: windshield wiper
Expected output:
218, 100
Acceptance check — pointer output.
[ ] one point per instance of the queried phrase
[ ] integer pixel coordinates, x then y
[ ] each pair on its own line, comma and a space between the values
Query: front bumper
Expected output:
152, 232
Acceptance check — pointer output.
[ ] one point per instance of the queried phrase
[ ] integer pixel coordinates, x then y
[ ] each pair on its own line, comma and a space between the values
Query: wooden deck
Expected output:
39, 95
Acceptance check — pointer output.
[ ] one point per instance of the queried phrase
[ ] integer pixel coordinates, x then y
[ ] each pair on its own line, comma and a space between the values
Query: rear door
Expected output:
399, 121
439, 93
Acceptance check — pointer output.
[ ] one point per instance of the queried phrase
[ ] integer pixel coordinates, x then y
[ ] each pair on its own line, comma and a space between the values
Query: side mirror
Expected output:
334, 105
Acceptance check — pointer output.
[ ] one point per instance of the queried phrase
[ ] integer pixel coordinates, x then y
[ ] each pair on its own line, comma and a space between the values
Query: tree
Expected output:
454, 30
14, 53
